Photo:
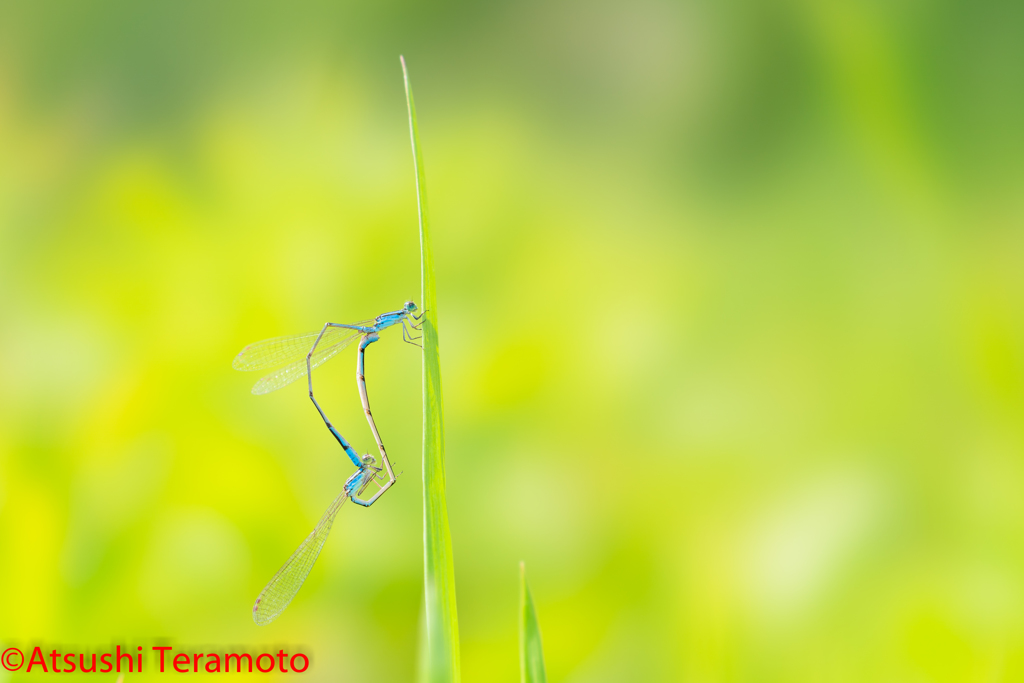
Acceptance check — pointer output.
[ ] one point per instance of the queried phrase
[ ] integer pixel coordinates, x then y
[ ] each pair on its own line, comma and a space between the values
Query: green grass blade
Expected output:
442, 660
531, 653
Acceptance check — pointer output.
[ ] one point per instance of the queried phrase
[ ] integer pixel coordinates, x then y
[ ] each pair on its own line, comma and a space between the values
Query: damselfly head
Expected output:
369, 460
410, 306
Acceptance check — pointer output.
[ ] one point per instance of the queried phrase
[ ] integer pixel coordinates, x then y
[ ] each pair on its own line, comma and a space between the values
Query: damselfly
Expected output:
283, 587
299, 354
280, 590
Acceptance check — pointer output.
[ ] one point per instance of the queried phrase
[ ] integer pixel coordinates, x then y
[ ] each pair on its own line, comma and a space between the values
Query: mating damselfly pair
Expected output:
295, 357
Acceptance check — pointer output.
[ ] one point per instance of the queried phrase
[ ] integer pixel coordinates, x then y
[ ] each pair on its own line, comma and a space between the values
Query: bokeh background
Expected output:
731, 311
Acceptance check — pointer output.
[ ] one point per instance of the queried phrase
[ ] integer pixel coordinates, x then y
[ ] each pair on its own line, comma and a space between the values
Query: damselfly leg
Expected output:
419, 318
407, 336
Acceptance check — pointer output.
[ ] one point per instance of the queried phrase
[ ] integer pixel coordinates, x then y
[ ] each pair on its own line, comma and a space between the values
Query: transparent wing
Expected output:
280, 590
291, 350
270, 353
297, 369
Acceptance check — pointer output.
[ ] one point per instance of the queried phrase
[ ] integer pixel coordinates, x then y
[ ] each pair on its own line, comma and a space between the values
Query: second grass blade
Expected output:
531, 653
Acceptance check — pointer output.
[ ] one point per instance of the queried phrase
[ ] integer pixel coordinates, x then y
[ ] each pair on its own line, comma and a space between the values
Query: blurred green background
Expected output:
731, 320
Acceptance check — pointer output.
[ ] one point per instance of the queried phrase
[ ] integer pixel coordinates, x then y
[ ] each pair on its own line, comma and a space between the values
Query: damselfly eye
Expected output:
410, 306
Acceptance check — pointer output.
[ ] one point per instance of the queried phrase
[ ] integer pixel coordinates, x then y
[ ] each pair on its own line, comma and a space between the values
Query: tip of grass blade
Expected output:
531, 652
